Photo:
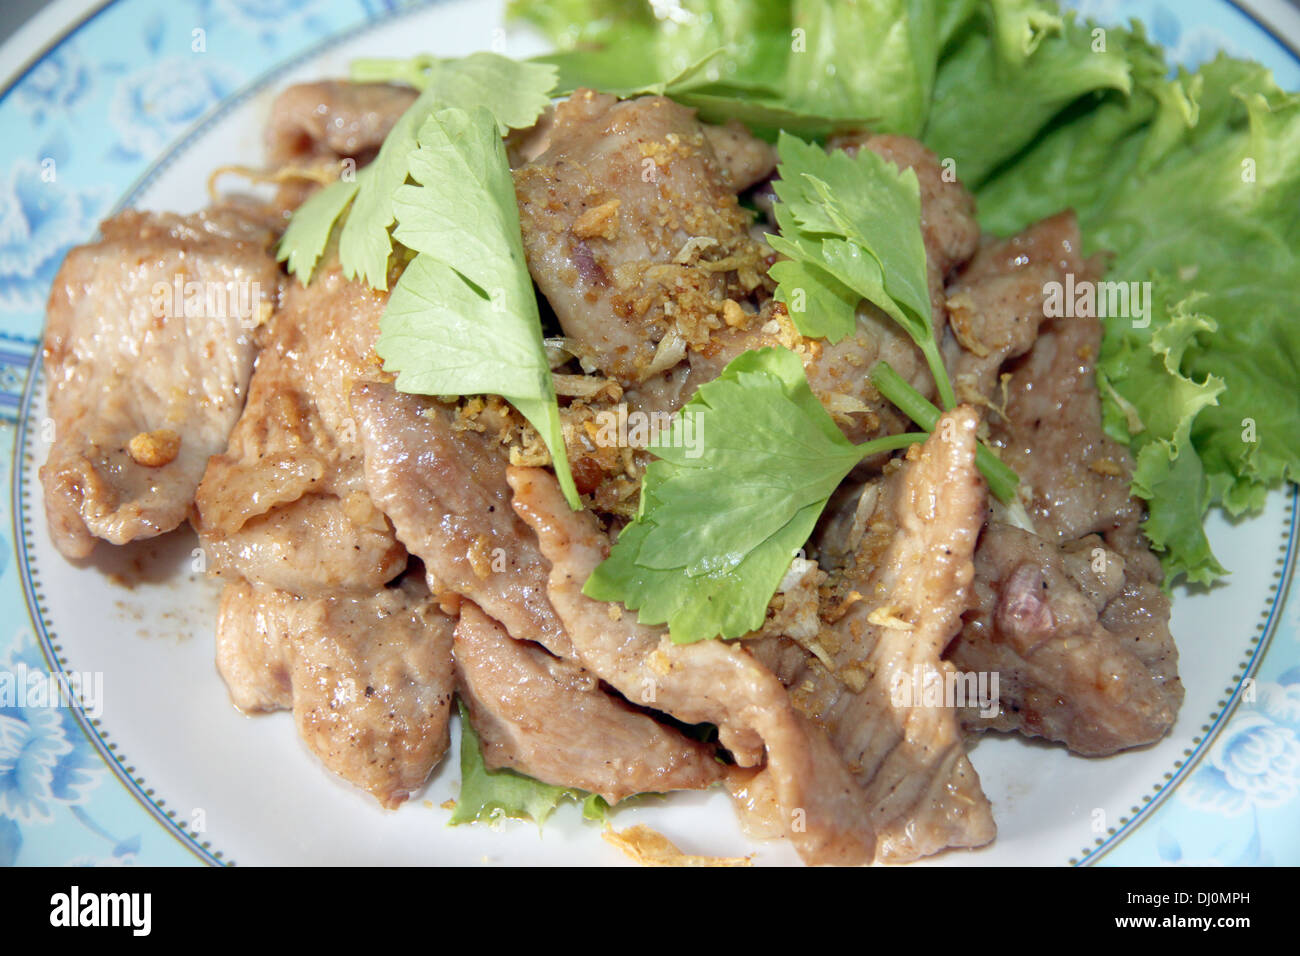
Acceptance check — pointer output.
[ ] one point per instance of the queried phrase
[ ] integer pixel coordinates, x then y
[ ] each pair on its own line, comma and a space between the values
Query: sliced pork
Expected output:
445, 491
633, 231
867, 677
369, 677
286, 503
333, 119
1071, 615
149, 345
1076, 664
551, 719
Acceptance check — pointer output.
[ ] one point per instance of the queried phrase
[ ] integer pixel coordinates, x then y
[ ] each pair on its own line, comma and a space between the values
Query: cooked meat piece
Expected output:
445, 492
632, 230
1079, 639
333, 119
369, 677
286, 503
550, 719
745, 159
525, 145
1077, 477
149, 346
864, 678
316, 544
837, 373
996, 303
716, 682
1074, 624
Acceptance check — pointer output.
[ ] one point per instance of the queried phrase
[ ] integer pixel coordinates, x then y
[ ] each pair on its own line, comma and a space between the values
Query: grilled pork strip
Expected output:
1071, 617
864, 679
368, 676
286, 504
551, 719
445, 492
149, 346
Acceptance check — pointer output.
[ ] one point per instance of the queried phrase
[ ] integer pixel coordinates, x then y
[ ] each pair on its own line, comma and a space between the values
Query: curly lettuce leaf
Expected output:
1190, 180
1191, 183
1006, 79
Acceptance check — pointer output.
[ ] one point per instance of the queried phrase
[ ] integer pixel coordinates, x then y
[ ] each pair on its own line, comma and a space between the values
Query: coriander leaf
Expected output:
738, 486
819, 304
309, 231
514, 93
857, 219
726, 603
463, 318
486, 794
807, 457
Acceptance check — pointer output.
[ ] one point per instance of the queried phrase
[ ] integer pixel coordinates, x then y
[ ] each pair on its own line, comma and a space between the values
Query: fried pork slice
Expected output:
285, 503
1078, 478
1072, 616
333, 119
821, 807
1082, 653
996, 303
865, 677
633, 231
550, 719
369, 677
445, 491
149, 346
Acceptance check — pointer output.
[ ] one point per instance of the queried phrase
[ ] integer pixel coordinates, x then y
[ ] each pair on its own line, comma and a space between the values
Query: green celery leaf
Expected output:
463, 318
309, 231
515, 94
856, 219
740, 482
